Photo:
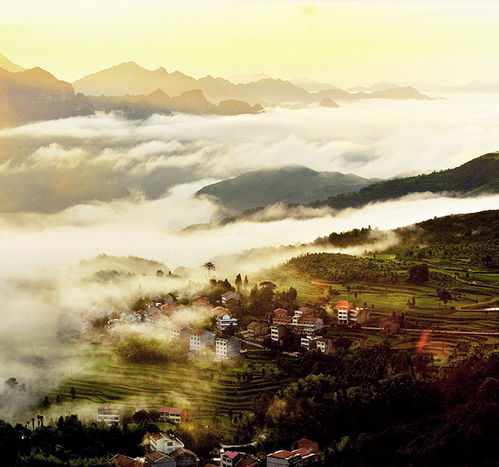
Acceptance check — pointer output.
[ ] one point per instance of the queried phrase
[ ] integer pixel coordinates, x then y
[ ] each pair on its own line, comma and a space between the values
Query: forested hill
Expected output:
474, 237
294, 184
480, 175
476, 227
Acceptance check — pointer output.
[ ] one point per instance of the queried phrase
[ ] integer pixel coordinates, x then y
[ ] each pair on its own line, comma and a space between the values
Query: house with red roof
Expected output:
257, 328
238, 459
156, 458
175, 414
200, 301
185, 458
284, 458
119, 460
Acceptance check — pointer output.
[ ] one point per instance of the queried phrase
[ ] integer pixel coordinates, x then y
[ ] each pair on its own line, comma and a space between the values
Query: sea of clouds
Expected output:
75, 188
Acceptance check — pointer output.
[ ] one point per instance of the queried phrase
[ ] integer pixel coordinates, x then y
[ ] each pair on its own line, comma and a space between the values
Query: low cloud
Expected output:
76, 188
105, 157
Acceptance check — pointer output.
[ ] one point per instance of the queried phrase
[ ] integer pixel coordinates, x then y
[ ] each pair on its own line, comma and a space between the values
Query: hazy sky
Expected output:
346, 43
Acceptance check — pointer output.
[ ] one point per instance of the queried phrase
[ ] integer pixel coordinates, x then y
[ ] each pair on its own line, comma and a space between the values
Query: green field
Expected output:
429, 313
208, 391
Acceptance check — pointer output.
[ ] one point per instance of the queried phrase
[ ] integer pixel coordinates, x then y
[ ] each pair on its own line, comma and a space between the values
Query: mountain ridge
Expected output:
130, 78
286, 184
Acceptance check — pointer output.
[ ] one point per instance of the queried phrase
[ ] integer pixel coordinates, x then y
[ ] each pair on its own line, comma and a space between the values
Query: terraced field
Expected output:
207, 392
429, 313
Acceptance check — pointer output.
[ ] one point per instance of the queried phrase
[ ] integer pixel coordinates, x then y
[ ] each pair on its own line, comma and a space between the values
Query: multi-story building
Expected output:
164, 442
324, 345
175, 414
284, 458
307, 324
200, 339
277, 332
280, 317
309, 342
349, 315
225, 321
108, 416
181, 333
226, 348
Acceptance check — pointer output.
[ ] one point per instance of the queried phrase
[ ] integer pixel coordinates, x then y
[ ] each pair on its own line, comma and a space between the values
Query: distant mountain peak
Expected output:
8, 65
128, 66
158, 94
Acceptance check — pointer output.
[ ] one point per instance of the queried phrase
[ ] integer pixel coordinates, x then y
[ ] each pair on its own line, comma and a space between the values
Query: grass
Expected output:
208, 393
429, 312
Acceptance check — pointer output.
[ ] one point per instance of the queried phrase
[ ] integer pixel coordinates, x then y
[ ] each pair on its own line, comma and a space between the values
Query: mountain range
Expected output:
129, 78
35, 94
293, 184
194, 101
478, 176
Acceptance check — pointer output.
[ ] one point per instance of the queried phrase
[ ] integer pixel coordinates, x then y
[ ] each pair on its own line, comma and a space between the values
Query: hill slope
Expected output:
287, 184
8, 65
476, 176
35, 94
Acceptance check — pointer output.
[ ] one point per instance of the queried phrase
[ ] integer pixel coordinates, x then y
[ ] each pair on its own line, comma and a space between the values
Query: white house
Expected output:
165, 443
108, 416
200, 339
226, 348
225, 321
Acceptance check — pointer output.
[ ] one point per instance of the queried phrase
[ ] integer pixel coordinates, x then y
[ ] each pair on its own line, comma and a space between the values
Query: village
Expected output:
223, 339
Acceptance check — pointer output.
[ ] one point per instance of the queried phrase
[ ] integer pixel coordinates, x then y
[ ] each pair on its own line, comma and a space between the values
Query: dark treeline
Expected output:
69, 442
383, 407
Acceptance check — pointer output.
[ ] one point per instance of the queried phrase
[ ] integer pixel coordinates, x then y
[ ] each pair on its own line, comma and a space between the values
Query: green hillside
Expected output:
286, 184
477, 176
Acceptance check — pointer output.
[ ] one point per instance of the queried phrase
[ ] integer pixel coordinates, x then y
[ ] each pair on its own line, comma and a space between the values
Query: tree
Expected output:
419, 274
209, 266
238, 282
246, 282
73, 393
46, 402
444, 295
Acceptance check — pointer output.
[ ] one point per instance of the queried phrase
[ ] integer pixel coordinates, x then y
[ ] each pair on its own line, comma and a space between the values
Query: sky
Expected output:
345, 43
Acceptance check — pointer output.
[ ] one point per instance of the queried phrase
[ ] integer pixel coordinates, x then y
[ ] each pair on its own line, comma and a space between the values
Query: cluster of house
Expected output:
112, 416
204, 341
304, 452
165, 449
303, 321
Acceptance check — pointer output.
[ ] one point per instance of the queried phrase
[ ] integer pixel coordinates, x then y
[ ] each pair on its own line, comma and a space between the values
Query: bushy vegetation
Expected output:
341, 268
69, 442
136, 349
383, 407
